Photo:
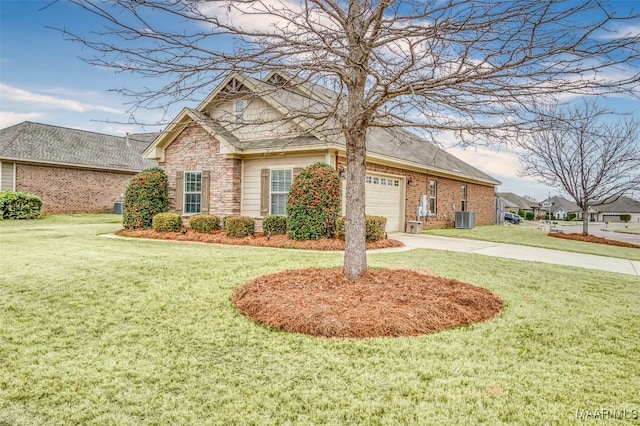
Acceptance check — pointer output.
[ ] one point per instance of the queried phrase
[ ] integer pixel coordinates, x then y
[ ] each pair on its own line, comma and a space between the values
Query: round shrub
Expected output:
529, 216
274, 225
374, 225
571, 216
205, 223
146, 195
19, 205
167, 222
314, 203
239, 226
625, 218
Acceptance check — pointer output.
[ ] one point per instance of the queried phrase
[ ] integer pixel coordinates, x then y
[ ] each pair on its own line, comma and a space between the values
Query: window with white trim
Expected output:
192, 192
239, 108
432, 196
280, 184
463, 198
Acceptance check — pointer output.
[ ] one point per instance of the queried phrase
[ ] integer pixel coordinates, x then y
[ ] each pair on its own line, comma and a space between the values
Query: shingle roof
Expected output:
42, 143
621, 205
516, 200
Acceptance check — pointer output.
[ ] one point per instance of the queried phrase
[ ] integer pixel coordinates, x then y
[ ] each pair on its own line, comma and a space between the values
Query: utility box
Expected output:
413, 227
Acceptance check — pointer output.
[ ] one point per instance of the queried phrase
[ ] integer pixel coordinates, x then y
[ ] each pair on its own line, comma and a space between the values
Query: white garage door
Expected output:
384, 197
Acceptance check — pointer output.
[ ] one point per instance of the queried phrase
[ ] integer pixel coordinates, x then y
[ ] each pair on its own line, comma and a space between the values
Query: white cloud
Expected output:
9, 118
16, 94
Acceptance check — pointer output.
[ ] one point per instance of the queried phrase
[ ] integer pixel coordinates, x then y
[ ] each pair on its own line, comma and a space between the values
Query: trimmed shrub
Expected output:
205, 223
529, 216
571, 216
239, 226
167, 222
314, 203
274, 225
147, 195
625, 217
374, 225
19, 205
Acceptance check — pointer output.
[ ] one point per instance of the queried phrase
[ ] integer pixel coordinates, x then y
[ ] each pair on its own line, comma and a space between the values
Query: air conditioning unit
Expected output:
465, 220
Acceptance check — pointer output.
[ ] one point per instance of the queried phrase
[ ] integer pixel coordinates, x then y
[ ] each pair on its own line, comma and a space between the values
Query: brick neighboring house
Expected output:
72, 170
237, 154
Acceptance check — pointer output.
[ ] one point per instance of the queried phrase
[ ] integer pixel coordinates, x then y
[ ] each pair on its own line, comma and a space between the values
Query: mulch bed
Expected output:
592, 239
384, 302
259, 240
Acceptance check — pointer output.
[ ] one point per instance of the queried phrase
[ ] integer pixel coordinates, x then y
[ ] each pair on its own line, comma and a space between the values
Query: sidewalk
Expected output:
512, 251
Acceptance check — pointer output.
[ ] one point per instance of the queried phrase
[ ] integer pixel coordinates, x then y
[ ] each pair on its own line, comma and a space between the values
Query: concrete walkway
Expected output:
512, 251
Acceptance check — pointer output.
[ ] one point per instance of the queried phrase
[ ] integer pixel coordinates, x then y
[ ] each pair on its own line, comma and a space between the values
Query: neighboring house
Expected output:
516, 203
561, 207
611, 211
237, 154
71, 170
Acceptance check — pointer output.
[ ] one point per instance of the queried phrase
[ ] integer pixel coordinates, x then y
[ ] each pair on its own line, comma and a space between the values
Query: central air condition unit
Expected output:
465, 220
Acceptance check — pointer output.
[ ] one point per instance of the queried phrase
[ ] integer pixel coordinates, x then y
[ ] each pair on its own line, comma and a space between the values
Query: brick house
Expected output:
72, 170
238, 151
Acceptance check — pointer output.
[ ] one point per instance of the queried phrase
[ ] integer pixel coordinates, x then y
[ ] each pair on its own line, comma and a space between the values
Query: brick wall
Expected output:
196, 150
69, 190
480, 198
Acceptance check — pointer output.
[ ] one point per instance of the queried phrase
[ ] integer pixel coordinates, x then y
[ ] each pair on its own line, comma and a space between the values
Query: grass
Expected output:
101, 331
529, 235
624, 228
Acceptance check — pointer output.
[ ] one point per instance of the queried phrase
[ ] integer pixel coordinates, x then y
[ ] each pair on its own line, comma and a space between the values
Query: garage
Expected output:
384, 197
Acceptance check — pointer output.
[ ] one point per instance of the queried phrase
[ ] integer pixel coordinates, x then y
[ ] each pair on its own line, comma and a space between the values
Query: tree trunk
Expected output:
355, 252
585, 222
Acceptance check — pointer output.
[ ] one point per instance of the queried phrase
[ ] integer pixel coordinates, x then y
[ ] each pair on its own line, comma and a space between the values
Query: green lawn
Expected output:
99, 331
528, 234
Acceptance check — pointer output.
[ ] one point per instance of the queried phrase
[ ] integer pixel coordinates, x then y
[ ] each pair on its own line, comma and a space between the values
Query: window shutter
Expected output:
296, 171
204, 198
179, 192
264, 192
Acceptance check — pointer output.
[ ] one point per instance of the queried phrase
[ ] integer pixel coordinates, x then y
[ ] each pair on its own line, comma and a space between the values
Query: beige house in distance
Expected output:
237, 153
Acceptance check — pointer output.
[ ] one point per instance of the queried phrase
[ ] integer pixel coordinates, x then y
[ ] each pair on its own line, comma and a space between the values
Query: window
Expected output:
192, 192
280, 183
432, 196
376, 181
7, 176
367, 179
383, 181
239, 110
463, 198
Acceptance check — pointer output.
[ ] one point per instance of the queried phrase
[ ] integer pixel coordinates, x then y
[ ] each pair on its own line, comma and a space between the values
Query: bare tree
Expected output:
467, 66
584, 152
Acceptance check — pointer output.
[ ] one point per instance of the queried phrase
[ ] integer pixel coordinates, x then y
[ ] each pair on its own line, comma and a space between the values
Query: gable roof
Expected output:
516, 200
390, 144
43, 143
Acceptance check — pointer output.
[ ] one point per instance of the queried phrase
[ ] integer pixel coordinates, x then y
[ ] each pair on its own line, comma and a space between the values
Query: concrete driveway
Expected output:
512, 251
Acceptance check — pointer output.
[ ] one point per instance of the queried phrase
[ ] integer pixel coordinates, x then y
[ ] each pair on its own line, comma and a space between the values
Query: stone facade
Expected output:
72, 190
480, 198
195, 150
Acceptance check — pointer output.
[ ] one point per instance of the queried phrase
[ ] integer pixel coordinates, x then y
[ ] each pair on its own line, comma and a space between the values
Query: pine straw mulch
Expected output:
592, 239
383, 302
258, 240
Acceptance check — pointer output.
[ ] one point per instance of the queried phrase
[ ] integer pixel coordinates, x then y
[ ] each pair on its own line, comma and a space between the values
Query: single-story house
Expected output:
71, 170
611, 211
237, 153
516, 203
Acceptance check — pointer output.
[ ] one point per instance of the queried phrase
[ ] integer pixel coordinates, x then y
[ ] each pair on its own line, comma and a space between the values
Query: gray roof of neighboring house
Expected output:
621, 205
393, 142
42, 143
561, 203
517, 200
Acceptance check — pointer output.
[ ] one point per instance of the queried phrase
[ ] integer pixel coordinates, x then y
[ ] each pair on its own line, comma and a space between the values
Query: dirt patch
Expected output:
592, 239
258, 240
385, 302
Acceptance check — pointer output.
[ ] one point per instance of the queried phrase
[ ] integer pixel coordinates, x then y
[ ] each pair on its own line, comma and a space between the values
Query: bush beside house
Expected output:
167, 222
146, 196
204, 223
239, 226
374, 225
274, 225
19, 205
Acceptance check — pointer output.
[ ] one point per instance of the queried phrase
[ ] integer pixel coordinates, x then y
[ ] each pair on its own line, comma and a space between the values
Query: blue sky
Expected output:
44, 79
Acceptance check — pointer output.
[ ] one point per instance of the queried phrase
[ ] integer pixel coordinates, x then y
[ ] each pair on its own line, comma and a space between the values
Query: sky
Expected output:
44, 79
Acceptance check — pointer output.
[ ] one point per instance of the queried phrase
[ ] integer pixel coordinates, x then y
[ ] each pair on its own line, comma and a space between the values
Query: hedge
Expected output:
239, 226
147, 195
167, 222
19, 205
205, 223
314, 203
274, 225
374, 225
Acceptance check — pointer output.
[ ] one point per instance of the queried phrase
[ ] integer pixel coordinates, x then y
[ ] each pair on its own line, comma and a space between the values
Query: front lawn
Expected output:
101, 331
528, 234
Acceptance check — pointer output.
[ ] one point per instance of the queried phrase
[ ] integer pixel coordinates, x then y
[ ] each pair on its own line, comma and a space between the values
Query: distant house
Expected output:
236, 153
71, 170
611, 211
560, 208
515, 203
